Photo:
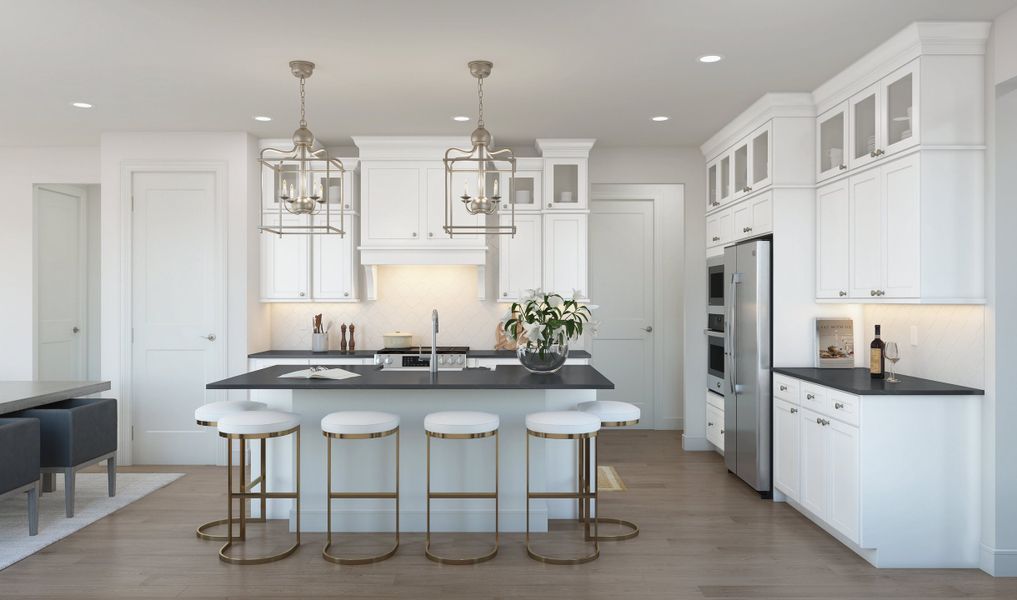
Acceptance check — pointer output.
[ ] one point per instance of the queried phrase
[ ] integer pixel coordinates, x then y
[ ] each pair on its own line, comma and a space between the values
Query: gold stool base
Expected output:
469, 560
366, 560
634, 530
260, 560
202, 531
562, 561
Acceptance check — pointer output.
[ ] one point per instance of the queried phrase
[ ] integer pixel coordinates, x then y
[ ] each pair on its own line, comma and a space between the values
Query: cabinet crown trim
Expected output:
769, 106
564, 148
921, 37
407, 147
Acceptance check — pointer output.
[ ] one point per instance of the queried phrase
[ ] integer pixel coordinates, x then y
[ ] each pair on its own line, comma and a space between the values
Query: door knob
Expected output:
76, 329
210, 337
648, 329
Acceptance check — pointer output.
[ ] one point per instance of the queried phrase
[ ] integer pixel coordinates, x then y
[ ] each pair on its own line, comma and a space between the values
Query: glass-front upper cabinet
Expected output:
725, 178
741, 170
831, 133
565, 183
759, 158
900, 108
524, 190
712, 188
865, 130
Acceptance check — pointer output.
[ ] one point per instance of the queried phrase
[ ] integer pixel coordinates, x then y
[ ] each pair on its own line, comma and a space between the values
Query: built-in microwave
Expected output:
715, 281
715, 362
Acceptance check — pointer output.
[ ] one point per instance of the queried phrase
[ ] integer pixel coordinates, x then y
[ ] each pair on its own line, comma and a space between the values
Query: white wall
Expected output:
234, 150
92, 326
685, 283
20, 169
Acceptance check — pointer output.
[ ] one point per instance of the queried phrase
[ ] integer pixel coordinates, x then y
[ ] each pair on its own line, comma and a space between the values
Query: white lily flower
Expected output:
555, 301
575, 294
533, 331
593, 306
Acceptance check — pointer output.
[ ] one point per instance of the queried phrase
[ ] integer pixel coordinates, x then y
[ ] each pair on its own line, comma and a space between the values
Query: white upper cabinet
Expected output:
566, 187
712, 186
833, 246
725, 179
392, 201
286, 263
741, 169
832, 135
519, 265
565, 259
526, 191
754, 217
334, 263
434, 227
868, 246
760, 150
864, 139
899, 116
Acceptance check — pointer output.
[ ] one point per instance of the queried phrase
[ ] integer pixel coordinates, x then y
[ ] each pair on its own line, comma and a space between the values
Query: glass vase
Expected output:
542, 361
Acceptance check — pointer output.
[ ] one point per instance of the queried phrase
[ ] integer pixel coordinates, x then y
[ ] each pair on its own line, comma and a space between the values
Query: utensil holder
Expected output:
319, 342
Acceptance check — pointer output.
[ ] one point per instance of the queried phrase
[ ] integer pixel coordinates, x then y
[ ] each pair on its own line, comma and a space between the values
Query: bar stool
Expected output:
613, 414
567, 425
208, 415
461, 425
256, 425
359, 425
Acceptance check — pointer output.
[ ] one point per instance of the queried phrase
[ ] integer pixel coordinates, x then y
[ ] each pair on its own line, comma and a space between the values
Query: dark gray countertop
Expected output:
20, 395
857, 381
370, 354
505, 377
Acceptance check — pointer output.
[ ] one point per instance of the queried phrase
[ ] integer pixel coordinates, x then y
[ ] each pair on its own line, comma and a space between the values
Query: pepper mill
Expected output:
353, 341
342, 341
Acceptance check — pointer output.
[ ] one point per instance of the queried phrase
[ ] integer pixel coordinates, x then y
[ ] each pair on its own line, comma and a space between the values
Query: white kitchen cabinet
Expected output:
884, 117
392, 201
740, 157
864, 130
753, 217
519, 257
815, 461
833, 244
831, 140
565, 184
526, 190
434, 225
868, 251
713, 230
712, 185
726, 187
760, 151
565, 253
285, 262
786, 453
334, 263
842, 447
715, 420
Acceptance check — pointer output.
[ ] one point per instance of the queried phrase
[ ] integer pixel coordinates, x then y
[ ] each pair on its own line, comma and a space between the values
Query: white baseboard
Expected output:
672, 424
696, 444
998, 562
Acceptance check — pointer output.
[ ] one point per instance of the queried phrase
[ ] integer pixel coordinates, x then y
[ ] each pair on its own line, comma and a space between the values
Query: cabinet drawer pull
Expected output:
838, 405
783, 388
793, 410
709, 424
748, 189
721, 432
716, 239
810, 396
819, 421
823, 422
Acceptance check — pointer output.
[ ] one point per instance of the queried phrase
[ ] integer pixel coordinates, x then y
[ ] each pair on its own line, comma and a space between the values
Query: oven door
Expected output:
715, 281
715, 362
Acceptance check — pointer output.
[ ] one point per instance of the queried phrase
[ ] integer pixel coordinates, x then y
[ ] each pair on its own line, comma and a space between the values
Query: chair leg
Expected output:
48, 482
111, 475
69, 492
33, 510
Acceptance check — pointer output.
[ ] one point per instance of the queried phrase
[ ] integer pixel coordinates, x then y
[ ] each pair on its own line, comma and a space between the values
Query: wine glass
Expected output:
892, 354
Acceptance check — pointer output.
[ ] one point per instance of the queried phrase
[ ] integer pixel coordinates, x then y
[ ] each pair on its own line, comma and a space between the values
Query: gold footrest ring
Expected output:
202, 531
469, 560
260, 560
562, 561
634, 530
366, 560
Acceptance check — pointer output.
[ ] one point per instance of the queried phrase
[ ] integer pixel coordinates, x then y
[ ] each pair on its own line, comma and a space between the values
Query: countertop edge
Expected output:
86, 388
370, 354
946, 389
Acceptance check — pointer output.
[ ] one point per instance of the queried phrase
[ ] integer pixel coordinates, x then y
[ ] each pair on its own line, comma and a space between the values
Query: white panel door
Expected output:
285, 262
833, 240
786, 448
392, 202
519, 267
903, 221
178, 302
61, 282
868, 254
622, 285
332, 263
565, 258
815, 464
844, 478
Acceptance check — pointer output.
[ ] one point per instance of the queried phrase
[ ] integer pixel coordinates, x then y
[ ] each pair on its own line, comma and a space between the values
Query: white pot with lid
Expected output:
398, 339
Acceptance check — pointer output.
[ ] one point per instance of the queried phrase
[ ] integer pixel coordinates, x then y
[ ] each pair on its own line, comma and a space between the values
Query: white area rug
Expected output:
91, 504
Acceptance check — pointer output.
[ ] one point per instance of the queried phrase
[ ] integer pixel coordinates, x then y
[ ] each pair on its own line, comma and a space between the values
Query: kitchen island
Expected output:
509, 391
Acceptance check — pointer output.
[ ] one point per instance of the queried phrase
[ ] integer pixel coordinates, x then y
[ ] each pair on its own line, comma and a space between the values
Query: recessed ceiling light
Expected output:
262, 118
461, 118
710, 58
81, 105
659, 118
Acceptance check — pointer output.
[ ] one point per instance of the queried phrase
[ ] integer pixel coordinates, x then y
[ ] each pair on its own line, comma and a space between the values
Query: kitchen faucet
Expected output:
434, 341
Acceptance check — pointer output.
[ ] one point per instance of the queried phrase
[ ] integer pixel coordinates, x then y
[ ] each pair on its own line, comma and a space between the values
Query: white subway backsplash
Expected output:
406, 296
951, 340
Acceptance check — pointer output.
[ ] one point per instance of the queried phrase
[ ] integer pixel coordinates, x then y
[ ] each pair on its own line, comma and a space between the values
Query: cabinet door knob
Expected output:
210, 337
302, 294
414, 234
838, 405
716, 239
748, 189
872, 292
810, 396
648, 329
748, 230
430, 234
783, 388
843, 167
842, 293
793, 410
549, 205
721, 432
76, 329
346, 294
709, 424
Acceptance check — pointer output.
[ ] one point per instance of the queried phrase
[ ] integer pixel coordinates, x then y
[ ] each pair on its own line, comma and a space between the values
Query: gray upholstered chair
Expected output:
19, 464
77, 433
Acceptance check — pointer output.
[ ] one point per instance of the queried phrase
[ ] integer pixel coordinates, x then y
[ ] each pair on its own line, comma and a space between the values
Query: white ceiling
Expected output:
563, 68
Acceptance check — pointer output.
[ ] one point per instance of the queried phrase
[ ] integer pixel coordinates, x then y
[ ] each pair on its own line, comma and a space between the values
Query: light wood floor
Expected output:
704, 535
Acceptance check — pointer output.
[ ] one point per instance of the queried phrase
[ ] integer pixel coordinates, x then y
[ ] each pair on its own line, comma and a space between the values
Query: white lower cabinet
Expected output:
786, 451
715, 420
815, 464
842, 447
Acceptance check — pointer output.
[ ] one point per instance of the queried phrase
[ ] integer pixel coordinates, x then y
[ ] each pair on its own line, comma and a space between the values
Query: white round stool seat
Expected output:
212, 412
350, 422
610, 411
562, 422
257, 422
456, 422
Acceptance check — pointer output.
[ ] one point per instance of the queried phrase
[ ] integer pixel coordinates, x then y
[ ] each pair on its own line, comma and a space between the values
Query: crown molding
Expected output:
413, 147
564, 148
769, 106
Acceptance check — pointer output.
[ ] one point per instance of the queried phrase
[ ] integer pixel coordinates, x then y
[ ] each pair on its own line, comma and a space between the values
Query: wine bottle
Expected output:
877, 358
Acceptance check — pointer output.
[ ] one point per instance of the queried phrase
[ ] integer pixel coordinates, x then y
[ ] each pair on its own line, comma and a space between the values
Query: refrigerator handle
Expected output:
733, 371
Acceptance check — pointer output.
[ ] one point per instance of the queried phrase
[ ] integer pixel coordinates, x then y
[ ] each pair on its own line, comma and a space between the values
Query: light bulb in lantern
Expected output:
496, 195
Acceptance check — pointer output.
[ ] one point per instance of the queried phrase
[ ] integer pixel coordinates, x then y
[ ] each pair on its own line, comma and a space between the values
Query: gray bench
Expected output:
75, 434
19, 464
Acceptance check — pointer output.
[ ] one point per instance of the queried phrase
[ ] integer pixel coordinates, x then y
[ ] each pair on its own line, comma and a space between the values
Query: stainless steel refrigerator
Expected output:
747, 348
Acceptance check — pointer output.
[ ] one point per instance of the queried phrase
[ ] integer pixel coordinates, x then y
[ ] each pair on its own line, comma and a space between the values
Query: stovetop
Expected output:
425, 350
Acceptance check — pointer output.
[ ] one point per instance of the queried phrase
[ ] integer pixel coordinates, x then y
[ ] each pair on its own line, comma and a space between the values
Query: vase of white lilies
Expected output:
543, 324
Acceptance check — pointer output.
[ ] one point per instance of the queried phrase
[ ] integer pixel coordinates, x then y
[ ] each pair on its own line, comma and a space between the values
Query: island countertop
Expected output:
504, 377
370, 354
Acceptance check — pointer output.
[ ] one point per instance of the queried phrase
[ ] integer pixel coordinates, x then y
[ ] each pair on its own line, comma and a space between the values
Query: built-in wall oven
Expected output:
715, 283
715, 362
